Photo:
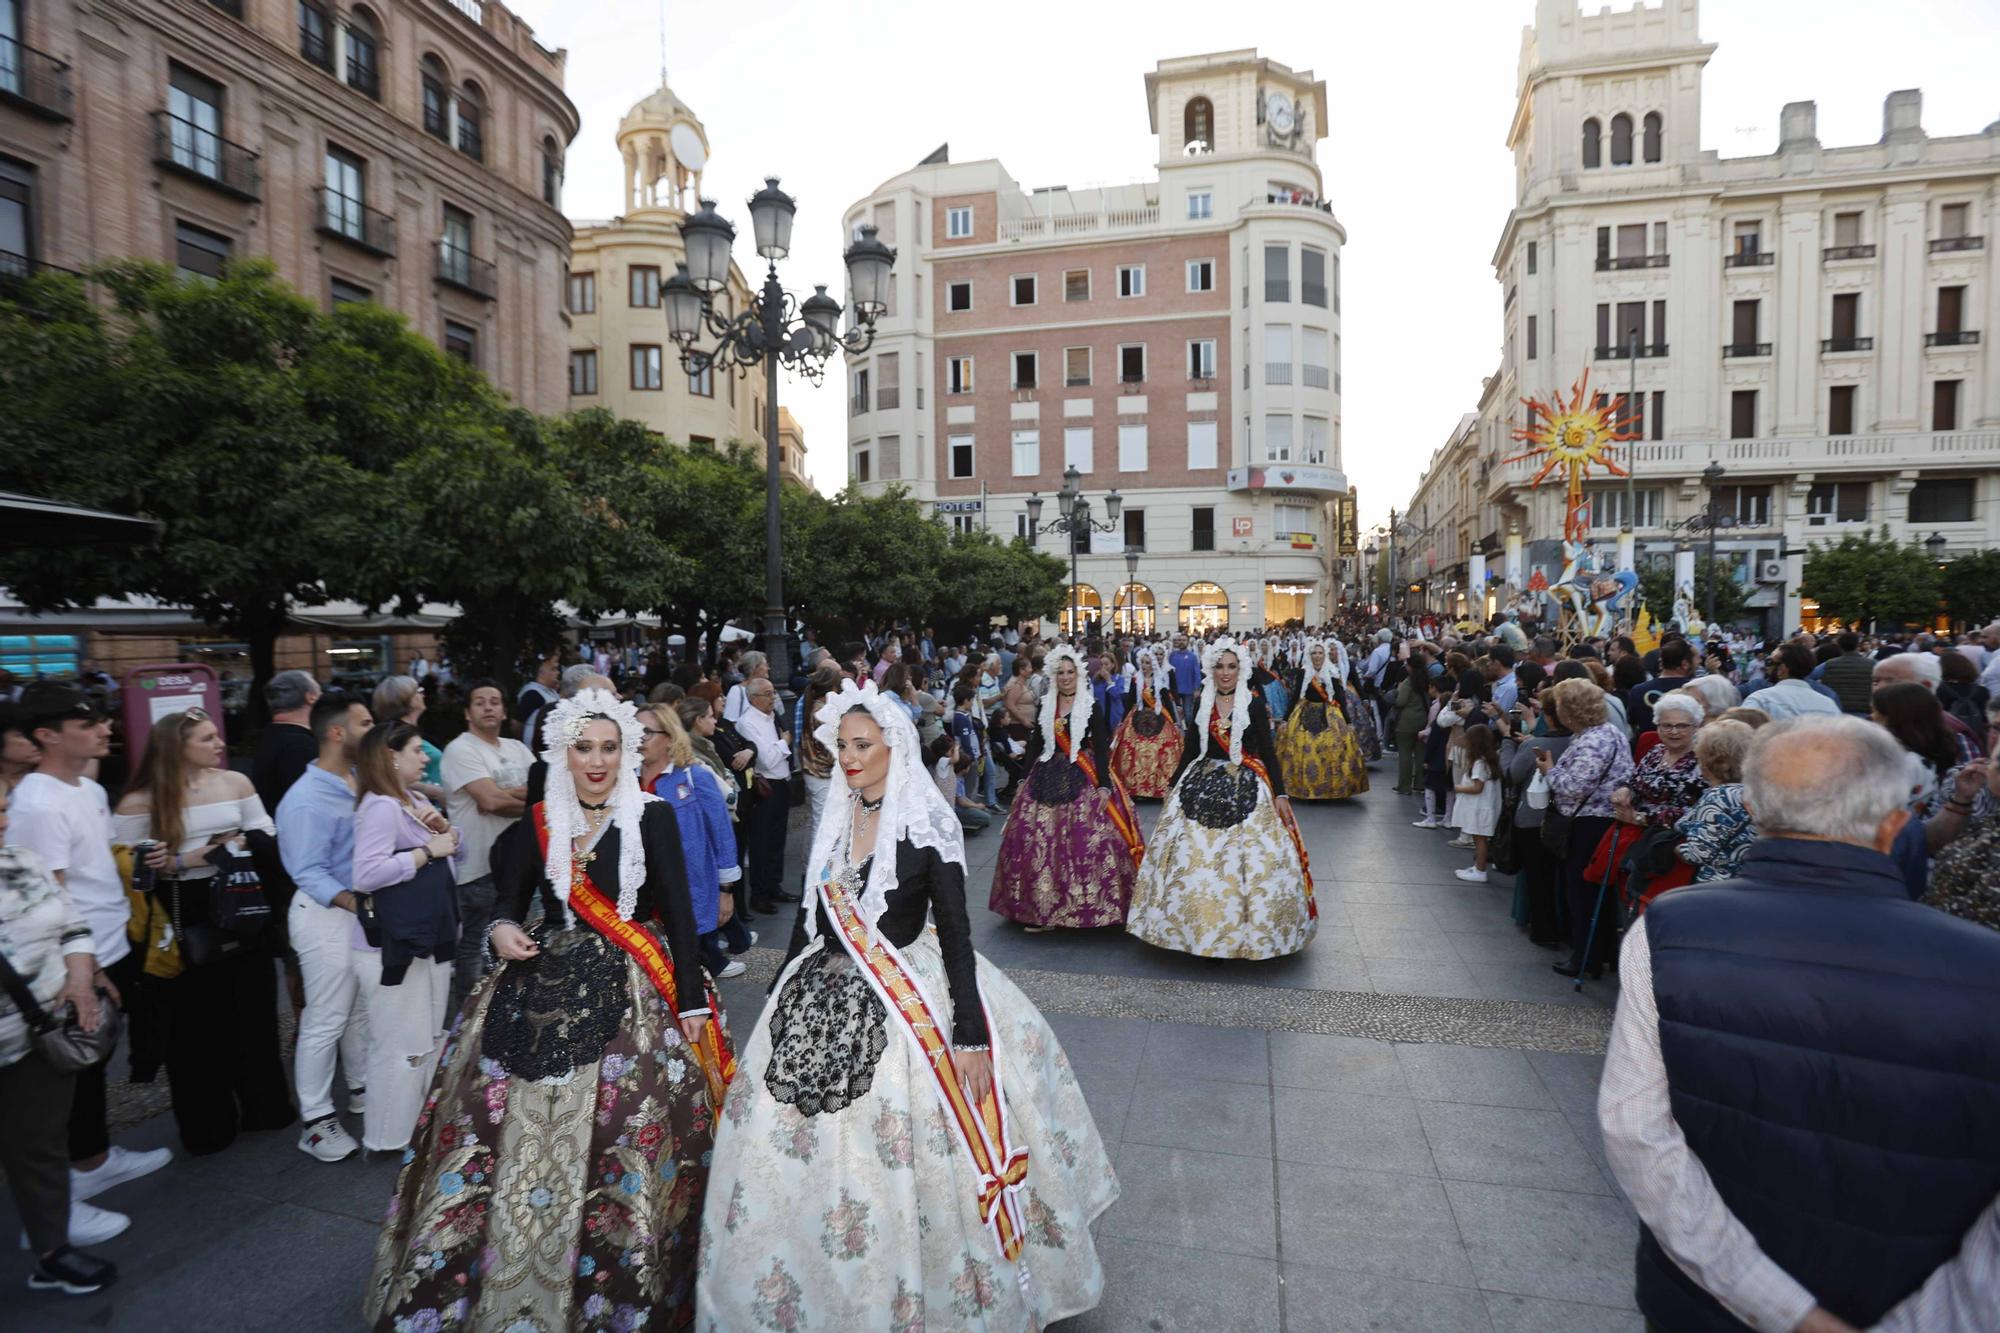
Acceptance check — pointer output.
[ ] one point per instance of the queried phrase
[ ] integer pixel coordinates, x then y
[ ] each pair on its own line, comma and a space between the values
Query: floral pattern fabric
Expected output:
1595, 763
1716, 832
1361, 716
867, 1218
1965, 875
1062, 861
1146, 763
1664, 790
567, 1202
1319, 753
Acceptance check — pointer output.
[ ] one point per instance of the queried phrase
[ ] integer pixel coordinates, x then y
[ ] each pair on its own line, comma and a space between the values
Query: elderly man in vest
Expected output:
1802, 1087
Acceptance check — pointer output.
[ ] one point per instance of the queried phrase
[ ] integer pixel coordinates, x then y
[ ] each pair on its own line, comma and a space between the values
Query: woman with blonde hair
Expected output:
674, 773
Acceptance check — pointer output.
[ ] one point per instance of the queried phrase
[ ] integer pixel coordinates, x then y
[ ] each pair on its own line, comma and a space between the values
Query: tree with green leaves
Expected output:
1656, 584
1866, 580
983, 576
1972, 588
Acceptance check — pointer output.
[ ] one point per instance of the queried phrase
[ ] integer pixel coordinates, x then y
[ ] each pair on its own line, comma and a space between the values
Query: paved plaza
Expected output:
1393, 1131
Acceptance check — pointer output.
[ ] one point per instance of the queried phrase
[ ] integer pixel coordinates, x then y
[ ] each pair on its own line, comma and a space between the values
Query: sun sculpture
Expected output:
1575, 435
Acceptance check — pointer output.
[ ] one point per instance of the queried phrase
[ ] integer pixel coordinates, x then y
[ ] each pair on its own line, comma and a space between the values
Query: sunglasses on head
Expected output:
197, 715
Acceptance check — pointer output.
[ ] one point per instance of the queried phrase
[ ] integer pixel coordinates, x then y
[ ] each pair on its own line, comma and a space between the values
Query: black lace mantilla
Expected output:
1215, 796
1312, 716
827, 1034
1149, 723
556, 1011
1056, 781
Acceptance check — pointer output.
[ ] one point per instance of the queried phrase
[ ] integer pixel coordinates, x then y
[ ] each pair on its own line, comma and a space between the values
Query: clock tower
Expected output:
1233, 104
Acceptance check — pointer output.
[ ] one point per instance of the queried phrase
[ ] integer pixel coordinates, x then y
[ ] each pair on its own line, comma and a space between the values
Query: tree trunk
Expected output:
261, 629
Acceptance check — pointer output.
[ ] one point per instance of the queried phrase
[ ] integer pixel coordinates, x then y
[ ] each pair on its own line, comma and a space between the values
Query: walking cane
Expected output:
1596, 915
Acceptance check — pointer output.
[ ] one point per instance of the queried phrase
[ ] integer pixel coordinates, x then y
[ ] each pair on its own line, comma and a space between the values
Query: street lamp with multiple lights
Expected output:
775, 328
1073, 517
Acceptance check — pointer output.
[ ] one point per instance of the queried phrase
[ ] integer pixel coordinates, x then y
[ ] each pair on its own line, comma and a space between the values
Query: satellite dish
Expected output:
688, 149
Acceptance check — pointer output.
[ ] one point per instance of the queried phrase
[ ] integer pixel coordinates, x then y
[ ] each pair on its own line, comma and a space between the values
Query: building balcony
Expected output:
16, 270
35, 81
888, 398
1080, 224
1847, 345
1313, 293
1277, 289
1746, 349
1306, 478
1750, 259
183, 147
1277, 372
1835, 253
1076, 382
857, 404
1292, 199
1623, 351
1956, 338
1948, 244
1775, 459
347, 219
1616, 263
1313, 377
466, 271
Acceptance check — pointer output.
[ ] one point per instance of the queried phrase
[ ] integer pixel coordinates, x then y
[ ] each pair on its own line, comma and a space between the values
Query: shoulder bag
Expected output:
63, 1043
1556, 822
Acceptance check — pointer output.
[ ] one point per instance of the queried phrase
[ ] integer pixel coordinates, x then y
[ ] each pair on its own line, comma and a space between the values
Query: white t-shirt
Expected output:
69, 827
466, 760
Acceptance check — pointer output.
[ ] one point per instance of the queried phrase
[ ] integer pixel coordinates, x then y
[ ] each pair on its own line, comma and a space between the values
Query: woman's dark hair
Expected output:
1958, 668
1569, 669
937, 749
1480, 744
1629, 671
1916, 719
375, 767
1530, 676
896, 679
1472, 684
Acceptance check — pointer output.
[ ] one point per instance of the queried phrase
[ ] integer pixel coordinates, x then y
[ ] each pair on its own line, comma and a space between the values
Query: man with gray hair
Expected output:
287, 745
1926, 670
1804, 1072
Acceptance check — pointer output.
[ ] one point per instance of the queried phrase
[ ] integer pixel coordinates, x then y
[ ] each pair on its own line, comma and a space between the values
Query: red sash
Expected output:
1122, 817
1220, 738
712, 1050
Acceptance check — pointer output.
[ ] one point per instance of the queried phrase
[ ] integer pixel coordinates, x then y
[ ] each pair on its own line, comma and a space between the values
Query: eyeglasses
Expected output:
655, 731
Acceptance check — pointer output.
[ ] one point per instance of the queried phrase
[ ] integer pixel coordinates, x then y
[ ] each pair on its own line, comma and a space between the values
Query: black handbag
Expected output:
219, 916
1556, 824
63, 1042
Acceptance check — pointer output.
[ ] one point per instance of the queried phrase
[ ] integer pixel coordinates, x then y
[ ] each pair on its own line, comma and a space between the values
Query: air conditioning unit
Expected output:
1770, 571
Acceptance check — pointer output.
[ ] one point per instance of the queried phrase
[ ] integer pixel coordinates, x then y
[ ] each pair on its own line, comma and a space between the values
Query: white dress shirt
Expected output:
774, 755
1673, 1194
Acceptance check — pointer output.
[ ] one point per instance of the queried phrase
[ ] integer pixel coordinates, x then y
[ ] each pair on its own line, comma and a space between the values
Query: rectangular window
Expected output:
1631, 325
1135, 529
1201, 204
1201, 358
1201, 444
1743, 414
1658, 416
1024, 289
1132, 363
1312, 276
582, 373
1603, 244
1531, 258
1607, 508
1021, 527
1025, 370
1076, 367
958, 223
342, 292
1278, 437
583, 293
1750, 504
861, 469
965, 524
1846, 320
1749, 238
958, 296
1846, 229
1132, 448
1131, 279
859, 398
1632, 241
1201, 275
346, 195
702, 383
1603, 326
889, 457
888, 384
1313, 371
1531, 337
646, 286
647, 373
199, 253
1659, 328
1952, 220
1942, 500
1837, 502
1944, 404
1277, 272
1076, 284
1840, 410
1659, 238
461, 341
958, 374
17, 214
194, 105
455, 247
1277, 354
1743, 326
1027, 453
1290, 516
1078, 447
1204, 530
1951, 310
1315, 441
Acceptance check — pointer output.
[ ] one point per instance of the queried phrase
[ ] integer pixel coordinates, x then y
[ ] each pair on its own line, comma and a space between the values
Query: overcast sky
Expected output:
838, 98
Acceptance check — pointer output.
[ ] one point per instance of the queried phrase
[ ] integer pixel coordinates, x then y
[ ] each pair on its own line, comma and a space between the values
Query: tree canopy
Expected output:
1867, 579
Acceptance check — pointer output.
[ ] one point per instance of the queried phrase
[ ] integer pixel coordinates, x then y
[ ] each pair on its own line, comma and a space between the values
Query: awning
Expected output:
30, 523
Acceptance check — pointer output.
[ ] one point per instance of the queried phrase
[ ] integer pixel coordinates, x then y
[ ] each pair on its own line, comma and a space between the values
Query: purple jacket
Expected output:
1596, 763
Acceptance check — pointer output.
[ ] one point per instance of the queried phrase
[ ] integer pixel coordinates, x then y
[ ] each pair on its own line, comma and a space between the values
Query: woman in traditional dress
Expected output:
1269, 683
1226, 875
907, 1147
1360, 716
1317, 750
1146, 752
1072, 842
557, 1173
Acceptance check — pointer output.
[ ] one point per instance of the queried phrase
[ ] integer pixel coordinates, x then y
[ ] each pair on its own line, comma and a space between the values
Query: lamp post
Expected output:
1073, 517
1628, 539
1131, 590
1712, 475
775, 328
1368, 580
1934, 547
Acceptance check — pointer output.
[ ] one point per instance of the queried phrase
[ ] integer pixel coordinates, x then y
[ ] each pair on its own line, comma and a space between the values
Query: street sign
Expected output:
160, 690
958, 506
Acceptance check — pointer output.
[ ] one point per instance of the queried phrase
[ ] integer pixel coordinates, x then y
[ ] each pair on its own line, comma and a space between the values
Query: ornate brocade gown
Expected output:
1072, 843
1318, 751
1146, 752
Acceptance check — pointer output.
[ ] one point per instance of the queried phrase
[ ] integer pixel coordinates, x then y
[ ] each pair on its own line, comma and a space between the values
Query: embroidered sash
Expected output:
983, 1131
1120, 805
1219, 738
712, 1050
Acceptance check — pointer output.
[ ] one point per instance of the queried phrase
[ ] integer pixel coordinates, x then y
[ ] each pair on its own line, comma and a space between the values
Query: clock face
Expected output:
1278, 111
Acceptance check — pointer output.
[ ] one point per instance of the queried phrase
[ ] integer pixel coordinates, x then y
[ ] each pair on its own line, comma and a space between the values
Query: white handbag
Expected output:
1538, 791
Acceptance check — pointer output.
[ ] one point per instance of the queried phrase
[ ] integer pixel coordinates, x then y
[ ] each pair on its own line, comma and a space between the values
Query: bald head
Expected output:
1833, 779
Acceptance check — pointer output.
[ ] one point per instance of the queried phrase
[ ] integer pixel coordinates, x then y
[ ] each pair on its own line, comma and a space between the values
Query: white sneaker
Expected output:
89, 1224
733, 968
1426, 822
753, 937
357, 1101
1470, 875
325, 1140
120, 1165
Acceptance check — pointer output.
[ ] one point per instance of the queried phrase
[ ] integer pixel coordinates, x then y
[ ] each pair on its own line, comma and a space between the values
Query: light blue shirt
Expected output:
316, 835
1506, 691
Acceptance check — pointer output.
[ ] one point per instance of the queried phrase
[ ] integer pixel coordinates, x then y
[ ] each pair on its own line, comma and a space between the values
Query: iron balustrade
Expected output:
195, 151
35, 81
346, 218
1837, 252
460, 268
1847, 345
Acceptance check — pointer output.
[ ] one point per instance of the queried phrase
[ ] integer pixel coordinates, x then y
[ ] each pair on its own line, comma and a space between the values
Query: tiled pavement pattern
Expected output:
1394, 1130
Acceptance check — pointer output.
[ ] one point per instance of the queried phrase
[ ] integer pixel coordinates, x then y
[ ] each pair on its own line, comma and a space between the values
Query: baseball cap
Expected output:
53, 702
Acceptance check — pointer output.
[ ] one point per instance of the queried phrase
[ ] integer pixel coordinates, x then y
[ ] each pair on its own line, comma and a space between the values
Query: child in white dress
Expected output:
1478, 797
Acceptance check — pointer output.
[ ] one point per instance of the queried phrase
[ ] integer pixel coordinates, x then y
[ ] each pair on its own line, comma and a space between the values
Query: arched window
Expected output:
1085, 603
364, 54
1651, 143
1132, 611
1198, 124
437, 99
1621, 140
552, 171
1204, 606
1593, 143
471, 121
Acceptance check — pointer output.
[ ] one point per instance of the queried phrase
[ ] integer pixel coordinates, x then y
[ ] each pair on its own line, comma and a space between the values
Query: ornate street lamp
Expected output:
1073, 517
1131, 625
773, 329
1712, 476
1934, 546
